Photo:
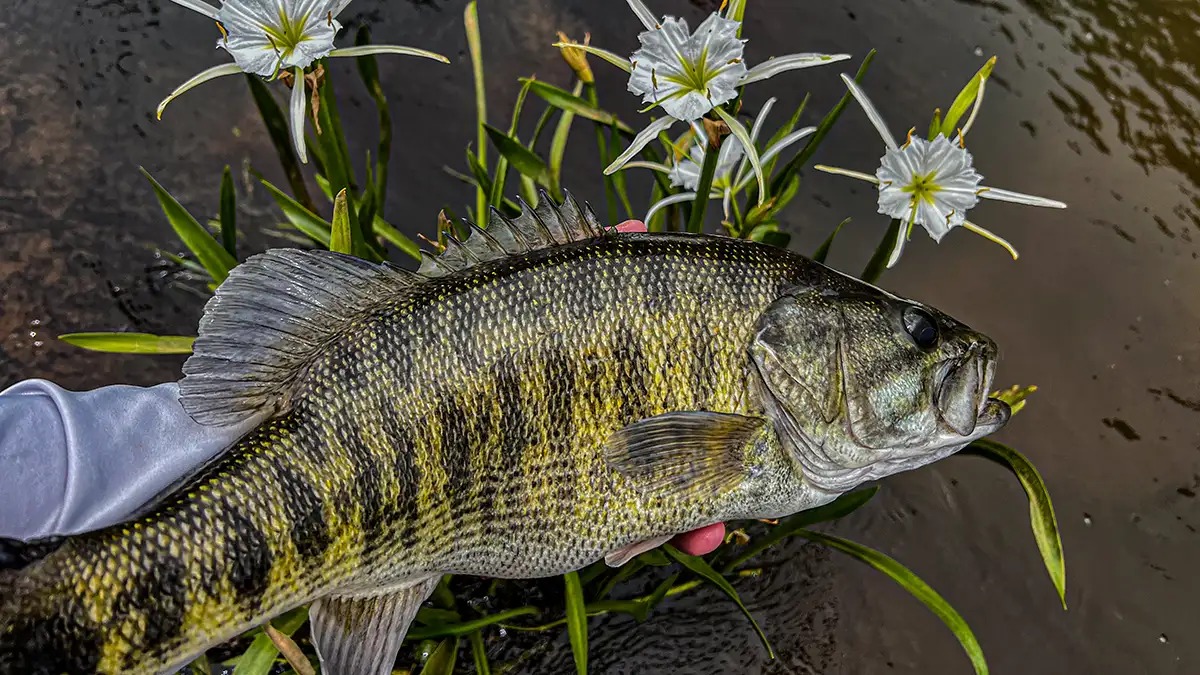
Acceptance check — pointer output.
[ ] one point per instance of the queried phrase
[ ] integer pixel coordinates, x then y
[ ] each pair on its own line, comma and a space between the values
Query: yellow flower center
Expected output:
289, 34
923, 187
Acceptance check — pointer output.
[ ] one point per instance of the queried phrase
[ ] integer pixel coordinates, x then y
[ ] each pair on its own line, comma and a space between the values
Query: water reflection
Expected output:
1104, 318
1140, 57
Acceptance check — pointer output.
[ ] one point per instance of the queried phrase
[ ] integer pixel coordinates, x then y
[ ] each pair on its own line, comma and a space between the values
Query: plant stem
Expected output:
878, 263
610, 196
474, 45
700, 203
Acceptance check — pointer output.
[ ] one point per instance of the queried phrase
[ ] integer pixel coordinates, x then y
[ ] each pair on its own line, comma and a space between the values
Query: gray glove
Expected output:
77, 461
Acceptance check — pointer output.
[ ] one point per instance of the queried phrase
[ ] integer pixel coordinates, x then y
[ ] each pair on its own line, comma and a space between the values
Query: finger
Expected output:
632, 226
702, 541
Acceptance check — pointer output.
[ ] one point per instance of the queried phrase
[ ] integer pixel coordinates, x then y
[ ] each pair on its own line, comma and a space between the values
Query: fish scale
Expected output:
279, 549
512, 410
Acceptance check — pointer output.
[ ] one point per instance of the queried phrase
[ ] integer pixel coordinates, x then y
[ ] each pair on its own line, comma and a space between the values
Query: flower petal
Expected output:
640, 141
367, 50
266, 35
761, 119
872, 112
644, 14
743, 137
847, 172
780, 64
667, 201
612, 58
653, 166
198, 6
901, 239
991, 236
298, 110
771, 152
685, 73
199, 79
786, 142
894, 202
1019, 198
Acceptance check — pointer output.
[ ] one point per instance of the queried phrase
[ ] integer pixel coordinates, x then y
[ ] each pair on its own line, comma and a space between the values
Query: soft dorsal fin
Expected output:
269, 320
548, 225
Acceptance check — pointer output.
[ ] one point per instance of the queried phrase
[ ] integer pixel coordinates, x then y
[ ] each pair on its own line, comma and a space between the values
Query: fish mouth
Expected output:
963, 404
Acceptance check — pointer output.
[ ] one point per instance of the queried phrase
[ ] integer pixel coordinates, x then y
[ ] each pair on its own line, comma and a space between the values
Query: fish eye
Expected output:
921, 327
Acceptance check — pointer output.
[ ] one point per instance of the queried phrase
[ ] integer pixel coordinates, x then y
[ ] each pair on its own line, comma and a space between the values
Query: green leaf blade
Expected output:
701, 568
460, 629
260, 657
577, 628
823, 253
915, 586
496, 195
521, 158
368, 71
479, 654
965, 98
441, 662
130, 343
228, 214
396, 238
300, 217
568, 102
341, 238
1041, 510
475, 47
277, 131
215, 259
877, 265
791, 526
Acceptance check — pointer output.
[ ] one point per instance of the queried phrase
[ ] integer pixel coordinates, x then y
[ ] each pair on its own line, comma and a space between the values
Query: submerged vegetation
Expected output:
723, 155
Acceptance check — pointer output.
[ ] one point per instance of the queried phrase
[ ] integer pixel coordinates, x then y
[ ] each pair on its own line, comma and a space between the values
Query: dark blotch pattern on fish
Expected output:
306, 512
407, 476
633, 376
163, 595
249, 557
36, 646
451, 417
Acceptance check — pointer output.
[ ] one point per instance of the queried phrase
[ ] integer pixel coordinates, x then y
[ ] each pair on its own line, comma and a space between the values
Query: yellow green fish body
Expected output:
542, 396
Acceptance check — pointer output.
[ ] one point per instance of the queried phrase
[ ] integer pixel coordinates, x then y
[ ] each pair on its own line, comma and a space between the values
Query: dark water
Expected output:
1096, 103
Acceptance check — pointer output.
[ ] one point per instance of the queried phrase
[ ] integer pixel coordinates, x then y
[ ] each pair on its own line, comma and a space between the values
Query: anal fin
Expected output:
686, 451
362, 634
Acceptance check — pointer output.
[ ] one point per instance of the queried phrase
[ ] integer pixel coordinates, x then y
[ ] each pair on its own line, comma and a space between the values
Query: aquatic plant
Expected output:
690, 75
281, 39
933, 183
752, 178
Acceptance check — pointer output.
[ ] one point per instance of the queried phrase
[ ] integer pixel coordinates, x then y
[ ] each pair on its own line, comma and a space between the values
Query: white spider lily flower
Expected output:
690, 74
686, 172
267, 37
726, 183
930, 183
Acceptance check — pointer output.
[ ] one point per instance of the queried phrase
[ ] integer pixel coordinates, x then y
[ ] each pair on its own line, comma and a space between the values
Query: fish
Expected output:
543, 394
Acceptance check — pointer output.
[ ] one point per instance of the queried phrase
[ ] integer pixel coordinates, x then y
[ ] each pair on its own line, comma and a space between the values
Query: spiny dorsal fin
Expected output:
269, 320
548, 225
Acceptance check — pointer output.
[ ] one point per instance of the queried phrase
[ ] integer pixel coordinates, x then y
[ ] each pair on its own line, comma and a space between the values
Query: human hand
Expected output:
706, 539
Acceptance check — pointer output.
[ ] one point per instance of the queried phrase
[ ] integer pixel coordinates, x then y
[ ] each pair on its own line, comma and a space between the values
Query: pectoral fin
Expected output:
361, 635
686, 451
623, 555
